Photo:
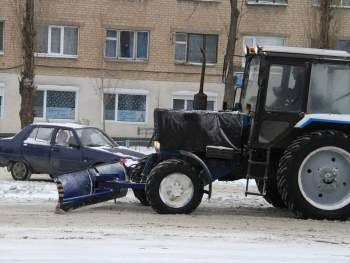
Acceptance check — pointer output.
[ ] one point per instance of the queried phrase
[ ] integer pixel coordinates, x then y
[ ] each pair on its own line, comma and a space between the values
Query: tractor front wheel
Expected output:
174, 187
313, 175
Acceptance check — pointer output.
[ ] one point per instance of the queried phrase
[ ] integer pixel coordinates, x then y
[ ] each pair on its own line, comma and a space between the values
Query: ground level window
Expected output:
52, 104
125, 107
183, 103
343, 44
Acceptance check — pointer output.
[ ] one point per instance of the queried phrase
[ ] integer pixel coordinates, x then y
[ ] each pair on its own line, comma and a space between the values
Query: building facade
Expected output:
110, 63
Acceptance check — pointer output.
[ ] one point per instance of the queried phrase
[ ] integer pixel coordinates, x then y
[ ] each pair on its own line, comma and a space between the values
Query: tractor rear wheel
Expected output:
174, 187
313, 175
272, 195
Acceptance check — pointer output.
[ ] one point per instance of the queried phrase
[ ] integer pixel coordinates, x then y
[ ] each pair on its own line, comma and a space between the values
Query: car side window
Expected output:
40, 135
64, 137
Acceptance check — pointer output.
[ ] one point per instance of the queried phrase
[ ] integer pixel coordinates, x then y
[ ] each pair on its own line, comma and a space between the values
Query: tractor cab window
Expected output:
329, 89
285, 87
251, 86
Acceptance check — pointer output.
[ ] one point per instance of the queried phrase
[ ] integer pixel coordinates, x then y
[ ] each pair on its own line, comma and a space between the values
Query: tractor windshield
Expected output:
251, 86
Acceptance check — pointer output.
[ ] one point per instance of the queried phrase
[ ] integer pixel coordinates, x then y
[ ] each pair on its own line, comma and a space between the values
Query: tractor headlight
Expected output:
156, 145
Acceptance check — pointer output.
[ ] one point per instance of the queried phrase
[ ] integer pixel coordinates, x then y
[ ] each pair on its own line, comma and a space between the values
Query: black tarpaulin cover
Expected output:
194, 130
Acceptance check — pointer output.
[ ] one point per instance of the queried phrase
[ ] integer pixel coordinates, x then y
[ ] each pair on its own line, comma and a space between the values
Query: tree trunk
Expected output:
325, 21
200, 99
230, 51
26, 84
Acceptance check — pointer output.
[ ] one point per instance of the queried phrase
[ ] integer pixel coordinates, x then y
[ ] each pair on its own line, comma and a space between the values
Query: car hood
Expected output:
121, 152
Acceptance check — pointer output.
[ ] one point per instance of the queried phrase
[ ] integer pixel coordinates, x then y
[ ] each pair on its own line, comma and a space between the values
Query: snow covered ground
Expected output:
227, 228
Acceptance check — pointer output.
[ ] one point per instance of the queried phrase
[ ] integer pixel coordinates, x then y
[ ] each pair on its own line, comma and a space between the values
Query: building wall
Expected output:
297, 22
160, 76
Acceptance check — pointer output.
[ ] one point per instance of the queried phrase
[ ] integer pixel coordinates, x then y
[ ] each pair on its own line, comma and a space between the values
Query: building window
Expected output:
1, 37
267, 2
337, 3
131, 45
54, 104
253, 41
1, 100
343, 44
188, 48
60, 41
186, 103
125, 107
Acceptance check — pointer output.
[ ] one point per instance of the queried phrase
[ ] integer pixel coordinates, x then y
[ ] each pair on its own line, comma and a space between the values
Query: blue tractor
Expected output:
290, 132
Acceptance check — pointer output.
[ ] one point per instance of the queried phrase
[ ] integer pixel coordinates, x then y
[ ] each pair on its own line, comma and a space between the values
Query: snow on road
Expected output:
227, 228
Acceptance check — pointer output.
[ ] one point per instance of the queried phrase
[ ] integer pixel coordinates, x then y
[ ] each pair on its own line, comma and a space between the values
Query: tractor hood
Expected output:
121, 152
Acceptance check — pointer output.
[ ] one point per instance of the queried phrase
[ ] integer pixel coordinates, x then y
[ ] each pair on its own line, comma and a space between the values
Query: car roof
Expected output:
62, 125
306, 52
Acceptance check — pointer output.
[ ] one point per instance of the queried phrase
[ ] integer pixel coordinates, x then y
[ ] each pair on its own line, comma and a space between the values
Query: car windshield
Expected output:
92, 137
251, 86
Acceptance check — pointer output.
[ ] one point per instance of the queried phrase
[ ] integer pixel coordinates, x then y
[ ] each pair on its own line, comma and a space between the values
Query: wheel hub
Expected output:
328, 175
176, 190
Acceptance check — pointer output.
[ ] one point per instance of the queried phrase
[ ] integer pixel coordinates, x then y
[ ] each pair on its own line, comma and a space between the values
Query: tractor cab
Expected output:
283, 85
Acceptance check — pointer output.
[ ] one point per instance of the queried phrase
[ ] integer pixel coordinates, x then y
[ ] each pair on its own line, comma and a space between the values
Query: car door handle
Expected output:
55, 150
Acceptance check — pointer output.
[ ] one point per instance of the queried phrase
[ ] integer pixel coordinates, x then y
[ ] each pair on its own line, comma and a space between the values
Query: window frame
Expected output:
61, 53
254, 37
2, 51
117, 39
189, 95
125, 92
46, 88
314, 3
265, 2
2, 94
342, 39
186, 61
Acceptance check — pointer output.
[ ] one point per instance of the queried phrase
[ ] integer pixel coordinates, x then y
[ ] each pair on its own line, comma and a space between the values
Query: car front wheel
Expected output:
20, 171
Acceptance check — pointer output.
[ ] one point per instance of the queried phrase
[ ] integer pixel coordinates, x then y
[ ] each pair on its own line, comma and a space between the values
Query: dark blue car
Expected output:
54, 149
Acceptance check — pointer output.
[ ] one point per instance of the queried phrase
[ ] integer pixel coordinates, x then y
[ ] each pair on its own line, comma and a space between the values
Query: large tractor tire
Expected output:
272, 195
20, 171
314, 176
174, 187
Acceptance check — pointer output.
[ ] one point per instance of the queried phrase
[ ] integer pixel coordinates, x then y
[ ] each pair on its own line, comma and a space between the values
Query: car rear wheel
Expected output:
20, 171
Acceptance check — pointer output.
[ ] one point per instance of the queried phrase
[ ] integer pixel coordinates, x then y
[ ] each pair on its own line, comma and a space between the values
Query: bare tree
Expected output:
230, 51
26, 84
326, 17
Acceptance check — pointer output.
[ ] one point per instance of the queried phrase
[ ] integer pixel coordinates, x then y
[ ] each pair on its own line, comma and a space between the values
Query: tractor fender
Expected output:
207, 174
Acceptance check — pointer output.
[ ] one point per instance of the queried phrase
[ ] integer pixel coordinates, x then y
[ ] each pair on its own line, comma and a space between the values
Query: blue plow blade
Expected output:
93, 185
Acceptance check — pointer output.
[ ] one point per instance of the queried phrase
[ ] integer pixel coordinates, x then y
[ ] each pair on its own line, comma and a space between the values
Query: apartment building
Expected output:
109, 63
290, 23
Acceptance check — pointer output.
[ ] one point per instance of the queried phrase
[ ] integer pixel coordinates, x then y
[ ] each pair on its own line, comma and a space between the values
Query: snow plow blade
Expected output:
91, 186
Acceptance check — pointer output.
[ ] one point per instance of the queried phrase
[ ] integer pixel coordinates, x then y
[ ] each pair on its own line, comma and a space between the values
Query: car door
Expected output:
36, 149
66, 154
